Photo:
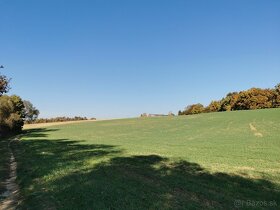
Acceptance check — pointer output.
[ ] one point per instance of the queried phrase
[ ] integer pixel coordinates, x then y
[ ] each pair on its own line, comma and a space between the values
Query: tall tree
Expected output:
31, 113
4, 84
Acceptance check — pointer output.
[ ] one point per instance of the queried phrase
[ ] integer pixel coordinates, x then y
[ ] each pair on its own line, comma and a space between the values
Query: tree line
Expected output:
58, 119
254, 98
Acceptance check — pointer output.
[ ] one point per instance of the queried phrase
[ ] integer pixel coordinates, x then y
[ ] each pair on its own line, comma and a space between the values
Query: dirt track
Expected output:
12, 189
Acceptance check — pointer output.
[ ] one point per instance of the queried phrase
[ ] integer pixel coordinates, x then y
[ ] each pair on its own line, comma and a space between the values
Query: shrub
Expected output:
11, 114
31, 113
193, 109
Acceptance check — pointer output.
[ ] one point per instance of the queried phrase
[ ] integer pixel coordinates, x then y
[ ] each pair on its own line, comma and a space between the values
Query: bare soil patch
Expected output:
11, 195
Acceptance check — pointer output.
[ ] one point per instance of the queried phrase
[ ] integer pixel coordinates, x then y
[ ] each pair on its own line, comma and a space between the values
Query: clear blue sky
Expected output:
111, 59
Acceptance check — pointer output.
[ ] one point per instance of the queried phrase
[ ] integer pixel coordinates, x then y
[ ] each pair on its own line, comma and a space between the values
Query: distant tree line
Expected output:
58, 119
254, 98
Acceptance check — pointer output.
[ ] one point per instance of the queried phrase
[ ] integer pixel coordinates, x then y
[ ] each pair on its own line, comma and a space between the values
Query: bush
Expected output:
193, 109
31, 113
11, 114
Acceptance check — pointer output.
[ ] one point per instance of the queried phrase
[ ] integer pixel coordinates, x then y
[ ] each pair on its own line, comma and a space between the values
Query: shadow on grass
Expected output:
37, 132
4, 164
67, 174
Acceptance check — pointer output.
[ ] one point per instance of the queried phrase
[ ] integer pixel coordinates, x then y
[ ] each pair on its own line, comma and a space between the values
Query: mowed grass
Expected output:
205, 161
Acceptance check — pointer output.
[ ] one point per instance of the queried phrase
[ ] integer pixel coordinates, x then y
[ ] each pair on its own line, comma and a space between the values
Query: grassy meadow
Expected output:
205, 161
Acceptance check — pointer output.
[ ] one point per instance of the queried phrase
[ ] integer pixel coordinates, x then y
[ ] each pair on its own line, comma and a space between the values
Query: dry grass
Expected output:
44, 125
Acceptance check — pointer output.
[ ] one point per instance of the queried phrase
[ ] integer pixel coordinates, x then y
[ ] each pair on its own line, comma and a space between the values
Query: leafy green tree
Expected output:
11, 114
4, 84
31, 113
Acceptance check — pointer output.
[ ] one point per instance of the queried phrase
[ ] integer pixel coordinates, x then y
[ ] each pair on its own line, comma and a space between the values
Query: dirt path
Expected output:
11, 195
254, 129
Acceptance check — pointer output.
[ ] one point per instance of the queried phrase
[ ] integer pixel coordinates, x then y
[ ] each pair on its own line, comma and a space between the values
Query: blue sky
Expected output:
113, 59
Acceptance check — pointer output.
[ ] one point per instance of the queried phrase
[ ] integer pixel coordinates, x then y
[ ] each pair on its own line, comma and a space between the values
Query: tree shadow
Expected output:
37, 132
153, 182
69, 174
4, 165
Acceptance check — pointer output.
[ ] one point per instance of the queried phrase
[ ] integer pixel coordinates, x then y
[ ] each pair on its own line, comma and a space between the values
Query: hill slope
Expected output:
200, 161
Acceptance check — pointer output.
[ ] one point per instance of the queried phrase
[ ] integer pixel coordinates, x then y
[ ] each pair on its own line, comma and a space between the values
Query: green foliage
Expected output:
11, 110
4, 84
11, 114
31, 113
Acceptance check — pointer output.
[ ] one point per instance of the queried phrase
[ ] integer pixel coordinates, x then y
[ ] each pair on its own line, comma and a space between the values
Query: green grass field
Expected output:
205, 161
